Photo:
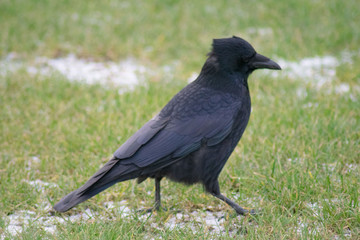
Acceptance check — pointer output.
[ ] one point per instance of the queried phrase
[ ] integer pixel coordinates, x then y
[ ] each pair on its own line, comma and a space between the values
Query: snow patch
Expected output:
342, 88
126, 73
317, 70
32, 162
347, 56
198, 221
304, 228
40, 185
22, 219
212, 220
349, 167
120, 207
10, 64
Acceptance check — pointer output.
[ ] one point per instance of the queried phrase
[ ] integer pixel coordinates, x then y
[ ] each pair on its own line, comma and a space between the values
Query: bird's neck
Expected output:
223, 80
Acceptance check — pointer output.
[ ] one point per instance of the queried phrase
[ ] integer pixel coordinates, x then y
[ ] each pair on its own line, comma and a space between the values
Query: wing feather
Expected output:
181, 128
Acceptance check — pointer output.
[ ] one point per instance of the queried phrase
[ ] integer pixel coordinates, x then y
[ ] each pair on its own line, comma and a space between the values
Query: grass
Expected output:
298, 152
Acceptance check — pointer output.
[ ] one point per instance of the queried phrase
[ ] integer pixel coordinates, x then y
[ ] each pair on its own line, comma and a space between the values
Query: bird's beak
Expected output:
260, 61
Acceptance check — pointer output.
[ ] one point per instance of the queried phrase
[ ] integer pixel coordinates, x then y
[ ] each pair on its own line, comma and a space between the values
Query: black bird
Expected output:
192, 137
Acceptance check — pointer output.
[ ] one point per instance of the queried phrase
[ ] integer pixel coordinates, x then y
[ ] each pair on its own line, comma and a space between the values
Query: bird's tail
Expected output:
111, 173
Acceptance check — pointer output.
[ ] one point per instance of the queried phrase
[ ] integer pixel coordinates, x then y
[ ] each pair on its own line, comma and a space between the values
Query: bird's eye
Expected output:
243, 61
248, 58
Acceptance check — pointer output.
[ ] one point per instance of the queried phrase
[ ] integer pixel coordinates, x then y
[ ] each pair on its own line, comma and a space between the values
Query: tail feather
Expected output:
111, 173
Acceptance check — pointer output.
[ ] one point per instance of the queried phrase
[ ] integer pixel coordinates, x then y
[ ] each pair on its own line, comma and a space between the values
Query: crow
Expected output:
192, 137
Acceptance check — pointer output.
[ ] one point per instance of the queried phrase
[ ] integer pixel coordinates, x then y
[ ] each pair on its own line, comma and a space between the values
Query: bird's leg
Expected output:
234, 205
214, 189
157, 205
157, 194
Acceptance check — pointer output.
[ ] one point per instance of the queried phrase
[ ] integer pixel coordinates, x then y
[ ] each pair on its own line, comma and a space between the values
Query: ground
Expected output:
78, 78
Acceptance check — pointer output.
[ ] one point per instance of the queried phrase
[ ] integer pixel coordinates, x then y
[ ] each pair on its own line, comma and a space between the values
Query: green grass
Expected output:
291, 155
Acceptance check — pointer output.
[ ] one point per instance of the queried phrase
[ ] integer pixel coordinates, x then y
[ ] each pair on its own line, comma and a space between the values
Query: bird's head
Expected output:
237, 55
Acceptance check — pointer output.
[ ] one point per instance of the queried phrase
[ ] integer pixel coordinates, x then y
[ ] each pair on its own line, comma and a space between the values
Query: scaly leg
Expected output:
234, 205
157, 194
157, 205
214, 189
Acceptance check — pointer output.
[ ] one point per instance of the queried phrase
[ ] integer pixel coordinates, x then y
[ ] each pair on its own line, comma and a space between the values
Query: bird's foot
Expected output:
250, 212
247, 212
254, 212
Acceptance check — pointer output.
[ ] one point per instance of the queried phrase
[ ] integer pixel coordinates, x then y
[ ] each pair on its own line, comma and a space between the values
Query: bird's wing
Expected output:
182, 129
141, 137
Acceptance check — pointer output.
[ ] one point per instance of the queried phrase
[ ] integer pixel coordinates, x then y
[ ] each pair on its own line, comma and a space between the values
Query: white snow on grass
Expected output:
43, 218
342, 88
350, 167
212, 221
40, 185
120, 207
20, 220
9, 64
127, 73
32, 162
319, 71
316, 70
306, 226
